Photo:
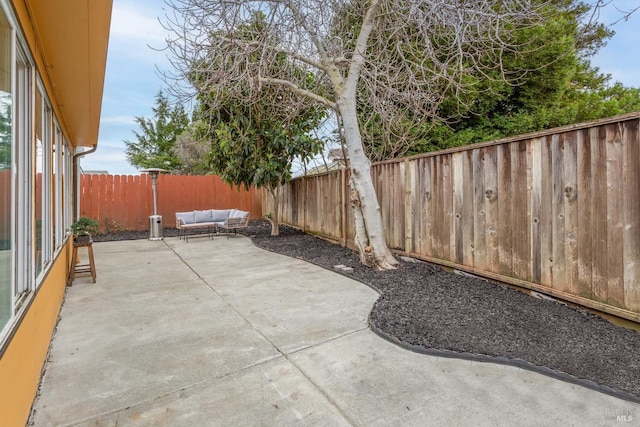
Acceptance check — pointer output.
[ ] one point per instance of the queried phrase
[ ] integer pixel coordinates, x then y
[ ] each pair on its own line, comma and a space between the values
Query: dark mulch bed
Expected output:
426, 308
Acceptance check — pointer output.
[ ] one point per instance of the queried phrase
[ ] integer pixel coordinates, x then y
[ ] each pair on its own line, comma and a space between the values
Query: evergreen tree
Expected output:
154, 145
557, 86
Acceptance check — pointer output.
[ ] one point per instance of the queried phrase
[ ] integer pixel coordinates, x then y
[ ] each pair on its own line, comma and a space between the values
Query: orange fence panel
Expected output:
125, 202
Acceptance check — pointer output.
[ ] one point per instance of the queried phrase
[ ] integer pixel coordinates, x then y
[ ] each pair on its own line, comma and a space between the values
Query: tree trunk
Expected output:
364, 201
274, 219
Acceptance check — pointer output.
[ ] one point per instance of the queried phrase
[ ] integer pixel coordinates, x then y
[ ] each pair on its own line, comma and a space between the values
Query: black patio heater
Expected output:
155, 220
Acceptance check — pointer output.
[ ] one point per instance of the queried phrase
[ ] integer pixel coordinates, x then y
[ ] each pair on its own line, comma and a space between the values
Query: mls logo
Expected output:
620, 414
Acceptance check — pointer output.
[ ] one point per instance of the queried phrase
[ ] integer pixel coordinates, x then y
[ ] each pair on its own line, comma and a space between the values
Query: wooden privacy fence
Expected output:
125, 202
555, 211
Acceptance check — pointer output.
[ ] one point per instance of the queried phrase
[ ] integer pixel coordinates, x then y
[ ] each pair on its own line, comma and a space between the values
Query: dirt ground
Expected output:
430, 310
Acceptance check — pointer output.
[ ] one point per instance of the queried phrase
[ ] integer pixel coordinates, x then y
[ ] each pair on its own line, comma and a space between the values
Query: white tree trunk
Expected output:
274, 219
364, 200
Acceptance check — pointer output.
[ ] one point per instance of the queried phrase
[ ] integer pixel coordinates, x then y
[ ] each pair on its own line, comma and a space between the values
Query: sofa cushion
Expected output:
203, 216
186, 217
238, 214
218, 215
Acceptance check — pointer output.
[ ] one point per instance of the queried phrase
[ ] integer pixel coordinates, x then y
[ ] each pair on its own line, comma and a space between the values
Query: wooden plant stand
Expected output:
82, 268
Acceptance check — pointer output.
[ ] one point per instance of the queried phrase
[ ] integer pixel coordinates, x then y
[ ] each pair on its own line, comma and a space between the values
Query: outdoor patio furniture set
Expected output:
210, 222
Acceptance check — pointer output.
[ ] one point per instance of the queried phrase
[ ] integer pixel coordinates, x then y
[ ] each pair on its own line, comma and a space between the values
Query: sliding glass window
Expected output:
43, 225
23, 133
6, 166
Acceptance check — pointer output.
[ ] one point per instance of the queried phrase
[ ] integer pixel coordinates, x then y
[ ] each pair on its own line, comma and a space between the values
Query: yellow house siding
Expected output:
22, 362
67, 41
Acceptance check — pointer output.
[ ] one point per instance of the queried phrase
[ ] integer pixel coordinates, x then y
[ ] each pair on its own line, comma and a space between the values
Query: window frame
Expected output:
13, 41
24, 143
46, 159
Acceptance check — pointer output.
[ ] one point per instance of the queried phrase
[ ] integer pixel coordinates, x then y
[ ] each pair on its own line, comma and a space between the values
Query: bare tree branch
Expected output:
401, 58
302, 92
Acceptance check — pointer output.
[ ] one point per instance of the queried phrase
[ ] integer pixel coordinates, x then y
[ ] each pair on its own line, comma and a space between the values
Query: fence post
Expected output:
343, 204
305, 204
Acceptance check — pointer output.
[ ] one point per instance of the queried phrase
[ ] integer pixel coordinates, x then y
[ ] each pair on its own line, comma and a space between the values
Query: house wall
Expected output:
52, 74
22, 361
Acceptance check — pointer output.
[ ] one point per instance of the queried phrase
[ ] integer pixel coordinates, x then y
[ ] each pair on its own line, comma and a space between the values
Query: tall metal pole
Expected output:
153, 187
155, 220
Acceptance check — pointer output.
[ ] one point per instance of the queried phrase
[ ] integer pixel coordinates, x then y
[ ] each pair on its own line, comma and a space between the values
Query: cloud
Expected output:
110, 157
117, 120
136, 35
619, 46
132, 21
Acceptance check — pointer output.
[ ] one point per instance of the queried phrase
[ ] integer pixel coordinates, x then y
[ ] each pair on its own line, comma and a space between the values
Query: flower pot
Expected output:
85, 238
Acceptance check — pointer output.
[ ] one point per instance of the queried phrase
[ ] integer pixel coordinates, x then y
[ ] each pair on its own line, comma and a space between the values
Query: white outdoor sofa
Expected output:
210, 222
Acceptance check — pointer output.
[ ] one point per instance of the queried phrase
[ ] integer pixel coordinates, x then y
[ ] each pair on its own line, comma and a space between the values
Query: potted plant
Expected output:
83, 229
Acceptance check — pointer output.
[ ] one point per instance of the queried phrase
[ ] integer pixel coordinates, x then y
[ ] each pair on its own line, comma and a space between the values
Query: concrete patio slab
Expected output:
379, 384
274, 393
219, 332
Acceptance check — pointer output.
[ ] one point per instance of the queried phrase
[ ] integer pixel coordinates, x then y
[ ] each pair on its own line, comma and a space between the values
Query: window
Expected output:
68, 188
63, 177
35, 162
23, 108
67, 184
6, 162
43, 225
39, 205
58, 231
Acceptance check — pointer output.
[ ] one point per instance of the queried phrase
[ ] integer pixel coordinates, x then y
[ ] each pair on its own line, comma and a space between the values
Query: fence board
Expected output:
546, 213
491, 208
520, 194
631, 236
142, 186
458, 208
478, 208
429, 210
558, 249
585, 214
614, 218
408, 184
599, 212
505, 211
110, 205
126, 200
536, 209
421, 199
442, 208
570, 211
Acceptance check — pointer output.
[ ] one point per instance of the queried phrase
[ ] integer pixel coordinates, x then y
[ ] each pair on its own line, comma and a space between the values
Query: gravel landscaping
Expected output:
427, 309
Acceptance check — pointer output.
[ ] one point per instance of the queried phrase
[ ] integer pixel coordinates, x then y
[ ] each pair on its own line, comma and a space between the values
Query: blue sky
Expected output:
132, 83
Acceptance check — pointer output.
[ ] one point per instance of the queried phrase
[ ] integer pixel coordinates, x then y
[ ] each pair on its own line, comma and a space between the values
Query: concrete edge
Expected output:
501, 360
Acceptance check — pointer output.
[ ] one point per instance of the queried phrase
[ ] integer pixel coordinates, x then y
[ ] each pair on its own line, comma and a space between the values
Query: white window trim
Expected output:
4, 330
23, 140
47, 248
